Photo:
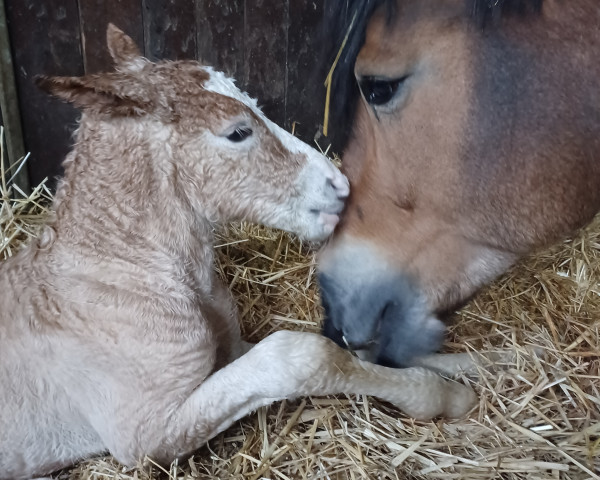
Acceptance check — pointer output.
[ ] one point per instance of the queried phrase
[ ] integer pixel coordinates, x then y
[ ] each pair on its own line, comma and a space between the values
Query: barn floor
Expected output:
539, 418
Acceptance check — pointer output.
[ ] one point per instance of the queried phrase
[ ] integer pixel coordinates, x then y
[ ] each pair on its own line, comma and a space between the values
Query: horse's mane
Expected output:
339, 15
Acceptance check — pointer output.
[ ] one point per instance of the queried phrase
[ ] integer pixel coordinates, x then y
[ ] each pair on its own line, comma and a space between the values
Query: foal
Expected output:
115, 334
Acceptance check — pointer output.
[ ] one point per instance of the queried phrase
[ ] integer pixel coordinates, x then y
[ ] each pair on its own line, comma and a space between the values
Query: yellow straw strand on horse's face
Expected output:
330, 76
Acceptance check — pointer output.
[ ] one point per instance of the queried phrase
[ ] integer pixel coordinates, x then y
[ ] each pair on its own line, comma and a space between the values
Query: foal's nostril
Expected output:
339, 183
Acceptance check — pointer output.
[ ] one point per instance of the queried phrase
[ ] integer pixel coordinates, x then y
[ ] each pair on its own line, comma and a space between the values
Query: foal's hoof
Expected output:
425, 394
459, 400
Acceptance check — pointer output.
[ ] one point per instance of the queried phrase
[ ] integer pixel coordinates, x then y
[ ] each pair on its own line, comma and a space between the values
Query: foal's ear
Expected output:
123, 50
108, 93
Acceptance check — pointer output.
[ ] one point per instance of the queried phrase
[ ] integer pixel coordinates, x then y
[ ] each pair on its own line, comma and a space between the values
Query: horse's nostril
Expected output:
355, 346
386, 308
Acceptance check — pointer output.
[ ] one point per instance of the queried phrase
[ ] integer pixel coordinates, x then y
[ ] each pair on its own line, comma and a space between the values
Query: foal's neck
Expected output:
121, 193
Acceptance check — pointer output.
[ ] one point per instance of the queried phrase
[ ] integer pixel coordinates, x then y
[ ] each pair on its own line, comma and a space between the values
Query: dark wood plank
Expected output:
306, 70
9, 107
265, 54
220, 36
169, 29
45, 39
95, 15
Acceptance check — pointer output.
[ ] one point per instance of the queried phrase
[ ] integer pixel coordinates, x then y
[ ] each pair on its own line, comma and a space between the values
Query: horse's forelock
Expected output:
349, 18
485, 12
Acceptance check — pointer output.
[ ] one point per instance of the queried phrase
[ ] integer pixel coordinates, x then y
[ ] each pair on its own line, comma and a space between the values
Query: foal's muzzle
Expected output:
387, 316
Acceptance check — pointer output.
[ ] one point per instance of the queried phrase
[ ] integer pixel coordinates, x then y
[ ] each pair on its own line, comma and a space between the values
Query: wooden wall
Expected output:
270, 46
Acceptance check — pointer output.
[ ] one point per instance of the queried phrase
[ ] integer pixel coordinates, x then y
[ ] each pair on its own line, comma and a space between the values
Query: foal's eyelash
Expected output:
239, 134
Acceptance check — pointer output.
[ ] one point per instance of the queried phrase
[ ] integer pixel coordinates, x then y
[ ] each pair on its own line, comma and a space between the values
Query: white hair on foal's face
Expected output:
223, 85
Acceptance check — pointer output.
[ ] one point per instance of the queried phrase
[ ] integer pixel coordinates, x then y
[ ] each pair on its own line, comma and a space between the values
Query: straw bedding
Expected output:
539, 418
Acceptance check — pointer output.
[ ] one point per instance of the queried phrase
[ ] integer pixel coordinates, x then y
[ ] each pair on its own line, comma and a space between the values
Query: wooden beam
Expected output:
46, 40
94, 17
220, 40
169, 29
265, 51
306, 70
9, 105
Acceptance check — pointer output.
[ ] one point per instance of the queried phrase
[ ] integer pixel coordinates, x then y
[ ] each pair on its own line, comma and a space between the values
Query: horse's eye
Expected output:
378, 91
239, 134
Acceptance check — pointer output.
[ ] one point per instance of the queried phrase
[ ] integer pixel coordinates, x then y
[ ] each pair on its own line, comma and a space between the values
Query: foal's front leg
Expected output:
286, 365
471, 363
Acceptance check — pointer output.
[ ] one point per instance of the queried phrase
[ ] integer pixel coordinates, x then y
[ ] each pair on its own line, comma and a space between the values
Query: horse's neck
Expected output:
118, 202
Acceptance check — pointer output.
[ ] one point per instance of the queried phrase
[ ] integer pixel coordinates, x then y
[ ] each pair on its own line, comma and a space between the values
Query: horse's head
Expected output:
209, 139
471, 145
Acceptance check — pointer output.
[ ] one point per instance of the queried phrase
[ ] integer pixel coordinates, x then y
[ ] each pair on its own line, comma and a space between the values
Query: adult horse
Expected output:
475, 139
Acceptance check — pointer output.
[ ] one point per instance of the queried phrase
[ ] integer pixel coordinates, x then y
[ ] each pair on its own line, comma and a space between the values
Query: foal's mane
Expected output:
341, 14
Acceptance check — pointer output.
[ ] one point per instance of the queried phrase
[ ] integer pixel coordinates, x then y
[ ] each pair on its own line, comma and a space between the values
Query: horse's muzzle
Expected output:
385, 315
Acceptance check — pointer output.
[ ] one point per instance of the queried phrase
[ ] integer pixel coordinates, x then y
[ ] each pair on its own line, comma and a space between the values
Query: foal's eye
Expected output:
239, 134
378, 91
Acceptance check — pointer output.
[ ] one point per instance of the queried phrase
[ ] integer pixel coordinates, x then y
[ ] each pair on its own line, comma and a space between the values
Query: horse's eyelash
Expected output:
375, 112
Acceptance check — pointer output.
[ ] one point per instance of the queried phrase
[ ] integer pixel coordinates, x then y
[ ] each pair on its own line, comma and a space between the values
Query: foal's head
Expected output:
226, 157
